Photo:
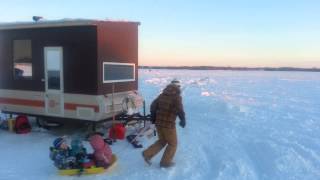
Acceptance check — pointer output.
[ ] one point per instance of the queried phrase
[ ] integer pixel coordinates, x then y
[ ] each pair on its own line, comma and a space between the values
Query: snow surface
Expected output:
240, 125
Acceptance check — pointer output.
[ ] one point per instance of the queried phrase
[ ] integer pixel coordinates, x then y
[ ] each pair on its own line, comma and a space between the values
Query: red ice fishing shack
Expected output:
72, 68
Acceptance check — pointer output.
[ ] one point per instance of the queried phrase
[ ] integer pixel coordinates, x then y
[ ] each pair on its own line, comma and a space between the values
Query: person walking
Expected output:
164, 111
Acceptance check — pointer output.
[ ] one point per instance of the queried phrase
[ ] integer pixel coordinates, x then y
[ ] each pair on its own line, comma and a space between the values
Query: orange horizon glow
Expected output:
178, 58
258, 49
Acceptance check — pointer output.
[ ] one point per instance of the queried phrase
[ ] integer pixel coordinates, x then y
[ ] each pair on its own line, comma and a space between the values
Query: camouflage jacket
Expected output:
167, 106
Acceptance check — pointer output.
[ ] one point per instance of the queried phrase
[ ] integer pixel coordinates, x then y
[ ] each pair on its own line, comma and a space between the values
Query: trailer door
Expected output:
53, 60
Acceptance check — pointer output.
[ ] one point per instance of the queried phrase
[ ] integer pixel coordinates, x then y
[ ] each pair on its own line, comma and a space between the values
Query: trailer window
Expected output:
118, 72
22, 59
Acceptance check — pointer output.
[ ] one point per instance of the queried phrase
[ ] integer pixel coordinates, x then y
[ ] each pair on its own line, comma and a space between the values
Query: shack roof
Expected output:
57, 23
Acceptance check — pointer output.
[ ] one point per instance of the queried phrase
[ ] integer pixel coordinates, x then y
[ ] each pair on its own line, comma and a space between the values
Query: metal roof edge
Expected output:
56, 23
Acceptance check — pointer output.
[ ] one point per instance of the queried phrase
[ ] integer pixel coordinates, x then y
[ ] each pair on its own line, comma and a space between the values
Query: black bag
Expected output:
153, 117
153, 111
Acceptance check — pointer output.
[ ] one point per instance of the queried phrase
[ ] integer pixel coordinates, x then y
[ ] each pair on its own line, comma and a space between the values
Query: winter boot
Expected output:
167, 165
147, 160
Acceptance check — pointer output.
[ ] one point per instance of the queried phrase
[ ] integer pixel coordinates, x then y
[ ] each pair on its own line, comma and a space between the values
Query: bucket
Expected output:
11, 123
118, 131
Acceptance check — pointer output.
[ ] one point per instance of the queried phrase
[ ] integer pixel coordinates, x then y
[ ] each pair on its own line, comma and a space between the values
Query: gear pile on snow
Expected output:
22, 125
76, 156
133, 140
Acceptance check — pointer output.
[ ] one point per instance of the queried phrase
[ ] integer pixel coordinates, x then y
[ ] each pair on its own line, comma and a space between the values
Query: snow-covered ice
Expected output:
240, 125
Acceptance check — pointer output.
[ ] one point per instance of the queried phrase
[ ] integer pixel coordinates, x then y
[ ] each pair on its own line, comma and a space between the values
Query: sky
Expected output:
252, 33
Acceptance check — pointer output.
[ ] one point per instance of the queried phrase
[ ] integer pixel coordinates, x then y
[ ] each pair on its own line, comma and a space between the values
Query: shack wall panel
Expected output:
117, 42
79, 56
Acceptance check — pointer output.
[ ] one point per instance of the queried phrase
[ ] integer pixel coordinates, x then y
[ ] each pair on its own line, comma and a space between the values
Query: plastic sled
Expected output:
88, 171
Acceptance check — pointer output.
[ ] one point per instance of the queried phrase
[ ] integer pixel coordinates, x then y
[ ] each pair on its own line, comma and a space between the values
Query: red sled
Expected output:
88, 164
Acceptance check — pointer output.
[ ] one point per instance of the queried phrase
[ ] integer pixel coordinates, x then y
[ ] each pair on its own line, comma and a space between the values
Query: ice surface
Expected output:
240, 125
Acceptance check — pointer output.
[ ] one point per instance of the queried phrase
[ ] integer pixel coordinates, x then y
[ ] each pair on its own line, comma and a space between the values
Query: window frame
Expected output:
14, 61
122, 80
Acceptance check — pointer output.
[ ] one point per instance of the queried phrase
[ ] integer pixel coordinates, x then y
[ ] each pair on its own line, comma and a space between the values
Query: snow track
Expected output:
240, 125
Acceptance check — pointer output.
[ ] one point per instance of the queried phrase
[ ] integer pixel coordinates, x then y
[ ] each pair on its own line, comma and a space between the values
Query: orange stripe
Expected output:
38, 103
73, 107
23, 102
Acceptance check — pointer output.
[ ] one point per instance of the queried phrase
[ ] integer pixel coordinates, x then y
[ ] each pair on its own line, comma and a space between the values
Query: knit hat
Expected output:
176, 82
97, 142
57, 142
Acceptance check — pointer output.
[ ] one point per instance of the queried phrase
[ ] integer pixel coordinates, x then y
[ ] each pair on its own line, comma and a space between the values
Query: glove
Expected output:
153, 118
182, 123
